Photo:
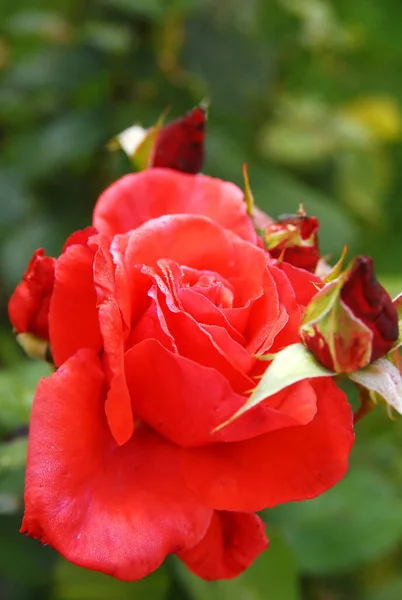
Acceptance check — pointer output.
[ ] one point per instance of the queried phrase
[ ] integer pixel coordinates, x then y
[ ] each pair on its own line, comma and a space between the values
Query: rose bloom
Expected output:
158, 314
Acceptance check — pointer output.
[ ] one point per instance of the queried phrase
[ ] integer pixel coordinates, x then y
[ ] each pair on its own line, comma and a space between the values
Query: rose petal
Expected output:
204, 311
80, 237
289, 334
139, 197
304, 284
232, 542
73, 318
195, 342
185, 401
286, 465
28, 307
181, 238
118, 402
120, 510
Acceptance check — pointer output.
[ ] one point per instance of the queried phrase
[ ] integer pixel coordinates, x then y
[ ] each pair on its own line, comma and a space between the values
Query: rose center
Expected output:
218, 290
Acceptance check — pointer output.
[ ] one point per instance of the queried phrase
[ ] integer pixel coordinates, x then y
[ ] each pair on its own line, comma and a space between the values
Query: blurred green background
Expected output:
309, 93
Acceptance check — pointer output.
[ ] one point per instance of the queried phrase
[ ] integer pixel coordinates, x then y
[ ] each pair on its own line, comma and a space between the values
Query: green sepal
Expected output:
321, 305
248, 194
337, 268
138, 143
328, 318
292, 364
397, 302
383, 381
35, 347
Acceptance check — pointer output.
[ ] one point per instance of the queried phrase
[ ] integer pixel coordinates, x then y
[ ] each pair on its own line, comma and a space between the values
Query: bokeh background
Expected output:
309, 93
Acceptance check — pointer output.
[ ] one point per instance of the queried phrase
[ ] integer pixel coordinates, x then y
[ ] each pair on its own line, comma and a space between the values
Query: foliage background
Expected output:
309, 93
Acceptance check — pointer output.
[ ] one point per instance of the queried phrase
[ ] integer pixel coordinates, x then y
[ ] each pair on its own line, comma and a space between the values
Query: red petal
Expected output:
139, 197
286, 465
195, 342
73, 318
305, 284
290, 332
114, 509
181, 238
200, 307
178, 397
28, 307
184, 401
232, 542
80, 237
118, 402
267, 317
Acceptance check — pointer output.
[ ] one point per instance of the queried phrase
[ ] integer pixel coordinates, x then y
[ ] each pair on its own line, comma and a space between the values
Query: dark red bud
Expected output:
365, 297
351, 321
28, 307
180, 144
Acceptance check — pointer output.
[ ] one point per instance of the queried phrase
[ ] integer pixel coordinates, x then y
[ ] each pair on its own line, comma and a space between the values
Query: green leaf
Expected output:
22, 558
11, 490
18, 197
273, 575
12, 474
382, 377
17, 388
290, 365
362, 180
390, 589
358, 520
76, 583
151, 9
69, 139
60, 67
13, 454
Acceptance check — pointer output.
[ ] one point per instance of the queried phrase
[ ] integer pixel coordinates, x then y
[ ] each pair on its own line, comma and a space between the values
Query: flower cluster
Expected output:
161, 318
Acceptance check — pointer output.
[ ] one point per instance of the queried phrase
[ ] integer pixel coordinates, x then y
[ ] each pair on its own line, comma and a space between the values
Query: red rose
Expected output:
29, 305
352, 321
155, 334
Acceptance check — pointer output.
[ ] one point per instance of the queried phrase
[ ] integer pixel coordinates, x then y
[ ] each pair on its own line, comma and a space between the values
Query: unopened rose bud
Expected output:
28, 307
180, 144
352, 321
294, 238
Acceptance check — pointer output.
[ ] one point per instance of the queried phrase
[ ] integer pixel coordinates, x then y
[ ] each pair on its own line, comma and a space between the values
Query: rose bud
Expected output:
28, 307
294, 238
352, 321
180, 144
